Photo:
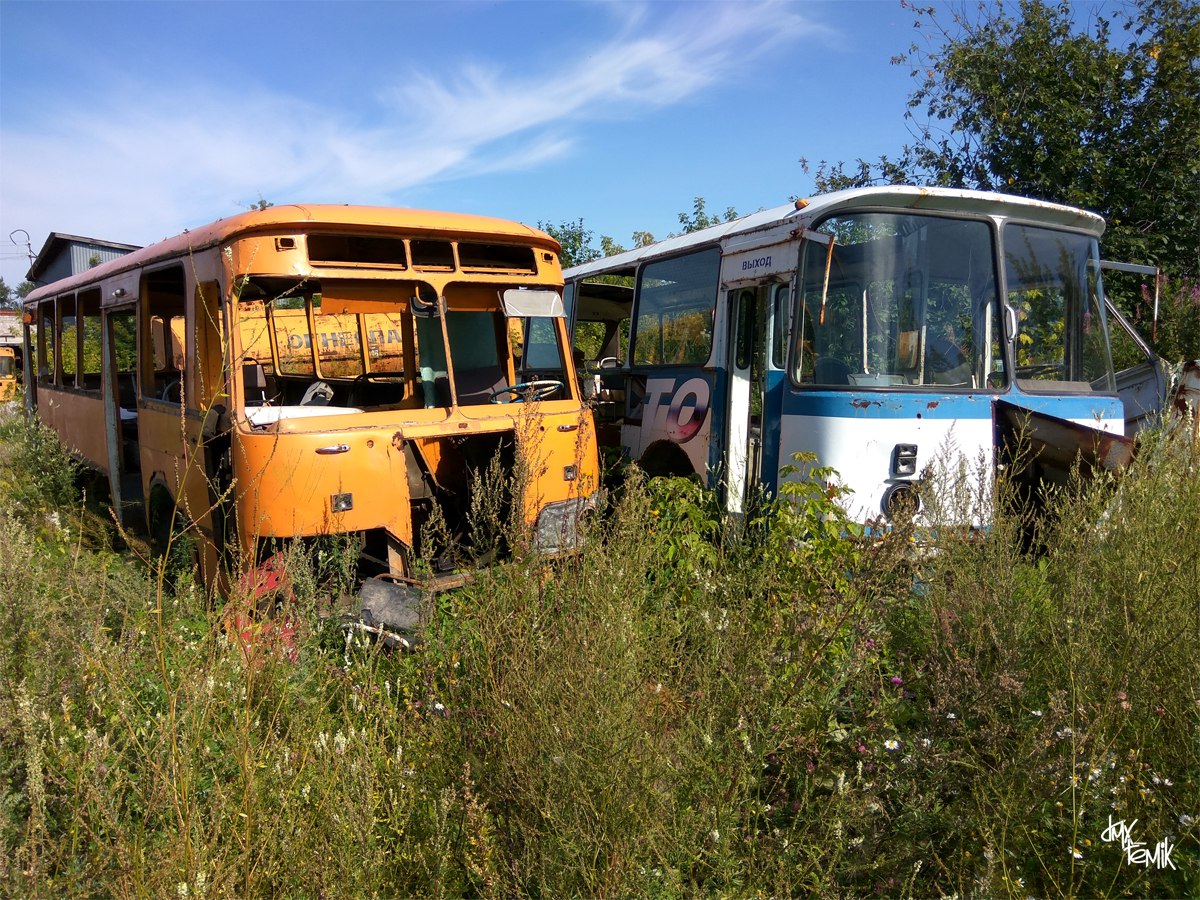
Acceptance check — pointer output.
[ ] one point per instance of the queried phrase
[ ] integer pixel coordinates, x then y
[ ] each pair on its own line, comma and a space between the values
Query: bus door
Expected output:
744, 409
1141, 380
168, 436
600, 314
757, 291
29, 364
671, 376
118, 386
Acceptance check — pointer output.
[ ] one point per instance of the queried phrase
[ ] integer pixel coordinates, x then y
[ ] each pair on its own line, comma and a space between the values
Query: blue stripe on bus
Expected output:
930, 405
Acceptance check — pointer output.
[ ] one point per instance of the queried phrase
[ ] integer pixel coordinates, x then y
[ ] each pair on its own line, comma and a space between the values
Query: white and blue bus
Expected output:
873, 328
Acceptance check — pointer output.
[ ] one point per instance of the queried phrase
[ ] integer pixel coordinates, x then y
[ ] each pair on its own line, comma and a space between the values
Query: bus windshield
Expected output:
301, 348
899, 300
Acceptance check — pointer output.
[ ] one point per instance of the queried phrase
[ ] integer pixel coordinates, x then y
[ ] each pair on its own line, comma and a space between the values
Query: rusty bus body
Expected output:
316, 370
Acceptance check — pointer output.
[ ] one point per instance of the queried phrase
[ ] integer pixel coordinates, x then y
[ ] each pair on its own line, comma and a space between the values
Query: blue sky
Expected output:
133, 121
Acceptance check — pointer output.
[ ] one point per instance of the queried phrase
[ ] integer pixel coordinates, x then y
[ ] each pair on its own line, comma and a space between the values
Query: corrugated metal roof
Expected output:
57, 242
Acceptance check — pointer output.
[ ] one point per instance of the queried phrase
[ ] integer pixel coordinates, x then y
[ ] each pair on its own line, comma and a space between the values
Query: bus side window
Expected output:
123, 326
68, 338
207, 340
89, 340
165, 367
46, 343
676, 301
780, 310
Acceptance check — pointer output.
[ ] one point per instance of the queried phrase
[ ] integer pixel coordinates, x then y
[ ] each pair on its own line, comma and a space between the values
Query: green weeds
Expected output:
690, 706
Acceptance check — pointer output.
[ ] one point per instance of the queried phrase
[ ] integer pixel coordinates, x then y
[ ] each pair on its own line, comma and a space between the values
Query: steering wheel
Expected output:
527, 390
172, 391
608, 362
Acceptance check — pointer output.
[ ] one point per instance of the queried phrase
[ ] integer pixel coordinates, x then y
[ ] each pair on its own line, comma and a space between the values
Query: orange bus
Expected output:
302, 371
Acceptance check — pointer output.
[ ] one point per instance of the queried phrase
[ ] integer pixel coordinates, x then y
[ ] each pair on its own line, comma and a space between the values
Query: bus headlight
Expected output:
902, 500
904, 460
557, 528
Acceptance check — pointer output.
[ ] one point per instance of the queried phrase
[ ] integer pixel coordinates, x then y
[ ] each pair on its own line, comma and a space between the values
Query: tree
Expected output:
1103, 115
699, 218
576, 241
9, 299
609, 246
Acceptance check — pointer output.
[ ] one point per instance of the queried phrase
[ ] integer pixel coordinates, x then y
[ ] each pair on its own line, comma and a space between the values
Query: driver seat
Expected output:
475, 386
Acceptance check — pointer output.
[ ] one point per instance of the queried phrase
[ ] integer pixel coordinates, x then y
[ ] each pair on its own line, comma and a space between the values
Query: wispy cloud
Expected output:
148, 160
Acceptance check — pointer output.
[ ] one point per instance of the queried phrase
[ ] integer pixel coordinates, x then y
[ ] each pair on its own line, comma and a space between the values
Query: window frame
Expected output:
798, 308
638, 311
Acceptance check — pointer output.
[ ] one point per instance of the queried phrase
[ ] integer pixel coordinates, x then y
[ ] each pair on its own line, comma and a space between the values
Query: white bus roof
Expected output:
822, 205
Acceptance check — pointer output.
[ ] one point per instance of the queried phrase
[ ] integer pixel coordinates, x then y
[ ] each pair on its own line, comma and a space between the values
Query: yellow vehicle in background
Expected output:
10, 387
307, 371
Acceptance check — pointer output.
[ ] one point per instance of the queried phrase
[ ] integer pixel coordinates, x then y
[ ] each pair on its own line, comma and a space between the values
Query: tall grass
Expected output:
688, 706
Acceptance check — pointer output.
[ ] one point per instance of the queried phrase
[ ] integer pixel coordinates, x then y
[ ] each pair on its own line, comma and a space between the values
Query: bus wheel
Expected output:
666, 459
